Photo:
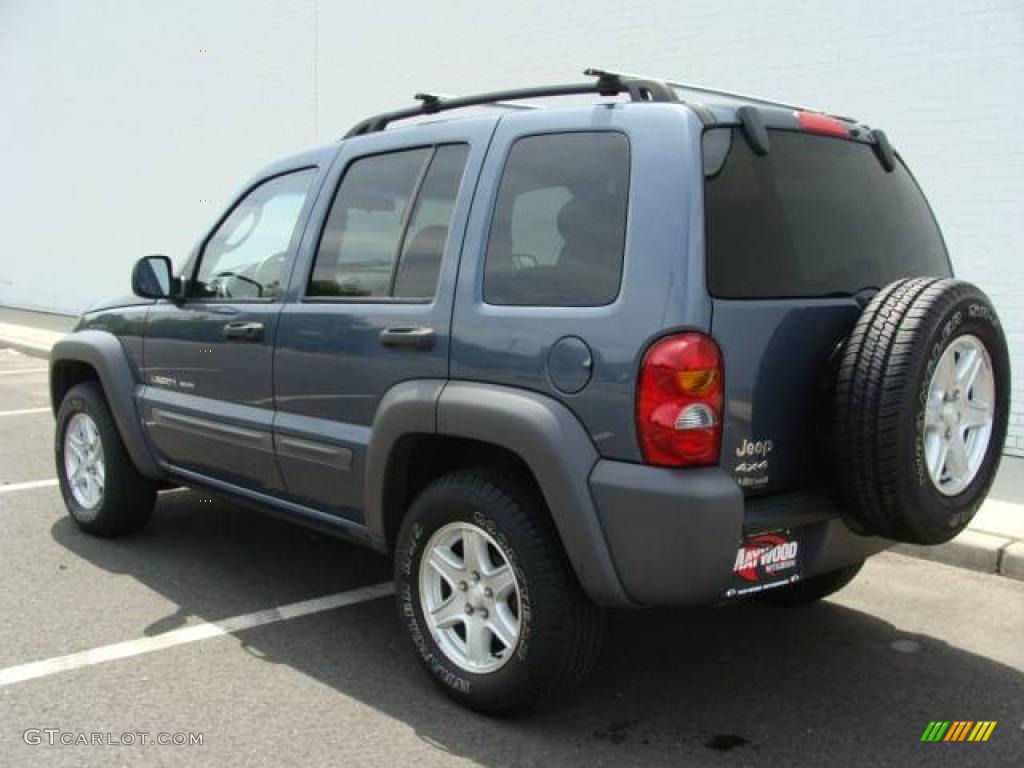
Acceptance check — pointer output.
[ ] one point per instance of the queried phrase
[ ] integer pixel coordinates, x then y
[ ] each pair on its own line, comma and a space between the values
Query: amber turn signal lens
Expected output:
697, 383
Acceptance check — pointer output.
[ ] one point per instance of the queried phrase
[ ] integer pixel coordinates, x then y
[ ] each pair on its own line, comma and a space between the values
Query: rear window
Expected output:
816, 216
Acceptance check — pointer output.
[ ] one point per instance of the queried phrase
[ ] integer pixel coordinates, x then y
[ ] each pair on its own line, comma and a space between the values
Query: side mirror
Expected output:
153, 278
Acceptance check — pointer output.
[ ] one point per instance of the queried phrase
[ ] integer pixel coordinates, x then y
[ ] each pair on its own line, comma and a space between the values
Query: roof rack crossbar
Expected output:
607, 84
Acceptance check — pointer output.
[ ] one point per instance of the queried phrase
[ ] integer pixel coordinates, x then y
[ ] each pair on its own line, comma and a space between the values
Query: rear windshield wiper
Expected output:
861, 295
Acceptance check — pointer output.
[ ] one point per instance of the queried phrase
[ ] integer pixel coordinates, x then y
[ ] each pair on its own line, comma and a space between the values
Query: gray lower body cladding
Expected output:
674, 534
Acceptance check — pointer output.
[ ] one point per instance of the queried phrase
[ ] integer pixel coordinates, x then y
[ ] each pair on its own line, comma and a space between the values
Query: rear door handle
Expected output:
411, 337
242, 331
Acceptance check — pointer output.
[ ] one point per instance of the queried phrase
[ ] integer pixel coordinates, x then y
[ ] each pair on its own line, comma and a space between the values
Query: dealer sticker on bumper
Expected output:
765, 561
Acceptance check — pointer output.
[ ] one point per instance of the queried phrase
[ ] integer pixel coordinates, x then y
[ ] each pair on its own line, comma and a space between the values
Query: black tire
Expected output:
561, 630
812, 589
128, 498
879, 409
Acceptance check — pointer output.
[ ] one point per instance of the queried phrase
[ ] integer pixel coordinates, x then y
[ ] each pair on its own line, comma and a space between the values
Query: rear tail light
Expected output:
813, 122
679, 402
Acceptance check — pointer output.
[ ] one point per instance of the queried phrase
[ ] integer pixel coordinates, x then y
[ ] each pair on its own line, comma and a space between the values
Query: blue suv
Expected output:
670, 346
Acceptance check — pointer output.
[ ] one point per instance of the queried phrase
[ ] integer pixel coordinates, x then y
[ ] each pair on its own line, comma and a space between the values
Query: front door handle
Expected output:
242, 331
414, 337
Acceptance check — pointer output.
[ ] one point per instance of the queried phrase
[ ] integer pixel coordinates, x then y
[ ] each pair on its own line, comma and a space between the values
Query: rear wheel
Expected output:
493, 609
812, 589
102, 490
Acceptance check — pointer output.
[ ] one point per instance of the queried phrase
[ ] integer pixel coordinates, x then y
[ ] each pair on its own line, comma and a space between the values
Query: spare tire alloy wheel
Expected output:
959, 415
470, 597
920, 411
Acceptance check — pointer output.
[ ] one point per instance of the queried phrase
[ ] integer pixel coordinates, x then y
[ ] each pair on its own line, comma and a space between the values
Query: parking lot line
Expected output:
11, 487
29, 485
205, 631
24, 411
24, 370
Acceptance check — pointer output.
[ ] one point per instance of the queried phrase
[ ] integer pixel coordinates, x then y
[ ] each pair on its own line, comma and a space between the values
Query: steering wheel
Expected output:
270, 270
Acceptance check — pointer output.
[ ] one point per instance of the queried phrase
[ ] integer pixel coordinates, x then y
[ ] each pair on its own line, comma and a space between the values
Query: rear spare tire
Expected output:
920, 410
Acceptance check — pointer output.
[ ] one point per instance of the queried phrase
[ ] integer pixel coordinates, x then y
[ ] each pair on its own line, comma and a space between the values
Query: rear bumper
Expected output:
674, 534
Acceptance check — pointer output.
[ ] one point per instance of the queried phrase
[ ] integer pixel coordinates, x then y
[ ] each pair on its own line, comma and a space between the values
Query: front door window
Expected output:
246, 257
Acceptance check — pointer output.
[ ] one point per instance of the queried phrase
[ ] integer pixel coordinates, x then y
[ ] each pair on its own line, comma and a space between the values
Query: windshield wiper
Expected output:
862, 295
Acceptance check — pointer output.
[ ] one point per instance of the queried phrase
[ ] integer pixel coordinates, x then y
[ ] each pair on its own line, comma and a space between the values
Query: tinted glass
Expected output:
247, 257
359, 245
423, 246
816, 216
559, 226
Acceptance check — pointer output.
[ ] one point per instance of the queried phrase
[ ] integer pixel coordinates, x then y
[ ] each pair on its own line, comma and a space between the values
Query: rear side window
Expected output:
386, 231
559, 227
816, 216
423, 245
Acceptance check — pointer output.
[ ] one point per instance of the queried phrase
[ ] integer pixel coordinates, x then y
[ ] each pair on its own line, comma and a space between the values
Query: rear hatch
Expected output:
798, 240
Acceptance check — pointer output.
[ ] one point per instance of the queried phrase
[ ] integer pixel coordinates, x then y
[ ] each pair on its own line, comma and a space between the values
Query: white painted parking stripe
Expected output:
28, 486
24, 370
192, 634
24, 411
11, 487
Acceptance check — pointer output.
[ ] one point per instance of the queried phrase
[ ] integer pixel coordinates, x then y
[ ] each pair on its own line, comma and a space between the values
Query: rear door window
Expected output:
423, 245
816, 216
559, 227
388, 225
359, 245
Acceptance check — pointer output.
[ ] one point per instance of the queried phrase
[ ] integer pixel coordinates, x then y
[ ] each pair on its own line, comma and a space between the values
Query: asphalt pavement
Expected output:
174, 631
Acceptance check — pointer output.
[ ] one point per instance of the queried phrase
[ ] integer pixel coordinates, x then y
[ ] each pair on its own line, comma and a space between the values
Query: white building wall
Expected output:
125, 126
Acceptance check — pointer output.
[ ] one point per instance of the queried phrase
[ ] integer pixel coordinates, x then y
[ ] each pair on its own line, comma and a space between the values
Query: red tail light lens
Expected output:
813, 122
679, 402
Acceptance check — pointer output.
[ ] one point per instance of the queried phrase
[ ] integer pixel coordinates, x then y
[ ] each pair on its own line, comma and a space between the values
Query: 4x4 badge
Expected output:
754, 470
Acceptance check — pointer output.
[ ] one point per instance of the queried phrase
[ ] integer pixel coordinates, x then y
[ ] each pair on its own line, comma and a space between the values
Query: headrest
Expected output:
428, 242
589, 219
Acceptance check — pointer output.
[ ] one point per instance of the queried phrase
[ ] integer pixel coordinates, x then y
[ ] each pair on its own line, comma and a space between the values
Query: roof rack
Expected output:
749, 98
513, 105
607, 84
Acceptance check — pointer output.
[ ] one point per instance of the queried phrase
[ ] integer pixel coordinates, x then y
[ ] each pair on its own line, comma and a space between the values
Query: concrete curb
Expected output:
1012, 564
32, 350
976, 551
29, 340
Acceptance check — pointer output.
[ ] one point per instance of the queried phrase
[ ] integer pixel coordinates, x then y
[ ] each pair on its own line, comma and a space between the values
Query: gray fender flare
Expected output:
540, 430
561, 455
103, 353
407, 408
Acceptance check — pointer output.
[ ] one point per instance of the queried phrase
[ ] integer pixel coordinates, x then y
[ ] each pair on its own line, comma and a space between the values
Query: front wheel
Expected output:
493, 609
102, 489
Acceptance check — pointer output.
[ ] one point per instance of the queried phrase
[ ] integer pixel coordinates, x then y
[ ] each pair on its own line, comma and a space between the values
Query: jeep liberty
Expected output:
673, 346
